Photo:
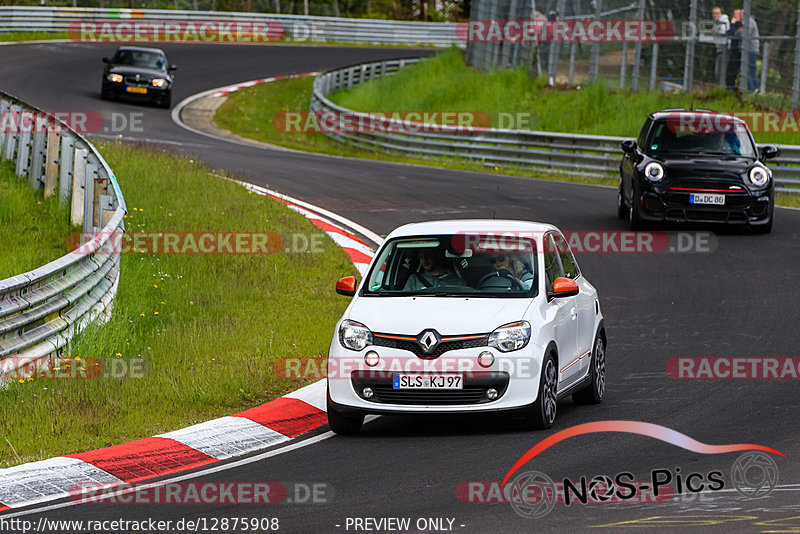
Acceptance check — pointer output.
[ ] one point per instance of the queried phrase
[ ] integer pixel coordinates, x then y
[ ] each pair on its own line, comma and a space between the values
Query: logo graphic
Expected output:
428, 340
754, 475
532, 494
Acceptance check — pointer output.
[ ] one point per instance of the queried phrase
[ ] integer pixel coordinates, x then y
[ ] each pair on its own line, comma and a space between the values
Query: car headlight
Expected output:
353, 335
654, 172
512, 336
116, 78
159, 82
759, 176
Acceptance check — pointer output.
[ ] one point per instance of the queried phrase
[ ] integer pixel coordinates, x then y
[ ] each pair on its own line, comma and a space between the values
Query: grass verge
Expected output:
206, 327
445, 83
33, 36
27, 216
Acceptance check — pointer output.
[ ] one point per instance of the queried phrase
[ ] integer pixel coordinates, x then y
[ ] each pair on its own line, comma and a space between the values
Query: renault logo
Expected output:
428, 340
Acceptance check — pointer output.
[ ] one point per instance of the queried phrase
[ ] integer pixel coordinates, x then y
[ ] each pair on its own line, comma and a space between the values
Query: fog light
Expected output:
491, 393
367, 393
371, 358
485, 359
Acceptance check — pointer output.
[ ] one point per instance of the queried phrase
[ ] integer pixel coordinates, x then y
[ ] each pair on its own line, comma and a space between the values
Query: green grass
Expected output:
208, 327
32, 36
249, 112
26, 217
445, 83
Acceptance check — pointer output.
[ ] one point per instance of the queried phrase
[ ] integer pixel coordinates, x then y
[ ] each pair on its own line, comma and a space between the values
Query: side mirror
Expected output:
563, 287
768, 152
106, 60
172, 67
628, 146
346, 286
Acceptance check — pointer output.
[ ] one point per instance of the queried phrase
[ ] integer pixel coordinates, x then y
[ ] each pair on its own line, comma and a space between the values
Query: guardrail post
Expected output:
51, 164
88, 196
37, 159
11, 137
4, 105
66, 161
24, 149
78, 184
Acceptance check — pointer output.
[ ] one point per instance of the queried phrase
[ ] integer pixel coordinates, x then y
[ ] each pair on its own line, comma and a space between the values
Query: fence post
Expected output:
66, 161
637, 50
724, 71
796, 80
764, 67
744, 69
654, 68
572, 48
594, 60
688, 66
623, 65
78, 184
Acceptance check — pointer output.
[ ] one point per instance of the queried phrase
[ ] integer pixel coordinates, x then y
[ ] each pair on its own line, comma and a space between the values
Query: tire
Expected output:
622, 209
165, 103
542, 414
342, 424
634, 219
764, 228
594, 391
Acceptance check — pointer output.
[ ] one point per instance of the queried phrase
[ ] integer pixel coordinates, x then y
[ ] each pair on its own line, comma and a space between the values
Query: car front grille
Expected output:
131, 80
474, 391
446, 344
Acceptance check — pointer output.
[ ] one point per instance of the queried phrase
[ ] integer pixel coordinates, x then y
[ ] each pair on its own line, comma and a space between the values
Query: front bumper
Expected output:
672, 204
120, 90
515, 376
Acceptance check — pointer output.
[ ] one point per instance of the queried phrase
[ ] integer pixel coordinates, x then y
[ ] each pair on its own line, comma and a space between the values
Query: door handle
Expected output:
573, 313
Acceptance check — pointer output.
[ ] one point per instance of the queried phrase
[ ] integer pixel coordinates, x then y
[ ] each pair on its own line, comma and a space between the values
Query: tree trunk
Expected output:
305, 7
336, 8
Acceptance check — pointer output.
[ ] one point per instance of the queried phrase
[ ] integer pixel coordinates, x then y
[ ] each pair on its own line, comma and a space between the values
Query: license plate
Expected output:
705, 198
428, 381
138, 90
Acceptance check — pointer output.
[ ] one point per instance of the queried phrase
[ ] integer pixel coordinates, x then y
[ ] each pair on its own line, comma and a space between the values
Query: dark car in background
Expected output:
696, 166
138, 74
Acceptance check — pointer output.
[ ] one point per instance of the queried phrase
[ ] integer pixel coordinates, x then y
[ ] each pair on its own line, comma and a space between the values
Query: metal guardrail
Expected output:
571, 153
298, 27
41, 310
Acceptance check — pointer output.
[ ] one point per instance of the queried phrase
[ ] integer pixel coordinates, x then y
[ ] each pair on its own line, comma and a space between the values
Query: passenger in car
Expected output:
433, 273
513, 265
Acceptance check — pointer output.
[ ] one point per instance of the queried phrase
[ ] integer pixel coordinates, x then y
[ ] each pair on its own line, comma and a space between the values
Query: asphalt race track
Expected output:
741, 299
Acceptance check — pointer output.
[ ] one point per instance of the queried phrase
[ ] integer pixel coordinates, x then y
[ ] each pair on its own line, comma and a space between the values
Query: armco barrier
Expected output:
42, 309
572, 153
298, 27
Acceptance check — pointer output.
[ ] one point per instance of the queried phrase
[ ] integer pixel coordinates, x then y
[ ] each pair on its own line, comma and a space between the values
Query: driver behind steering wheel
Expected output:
516, 267
432, 273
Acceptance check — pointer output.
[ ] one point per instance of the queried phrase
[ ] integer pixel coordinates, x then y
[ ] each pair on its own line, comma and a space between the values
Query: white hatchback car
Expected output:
467, 316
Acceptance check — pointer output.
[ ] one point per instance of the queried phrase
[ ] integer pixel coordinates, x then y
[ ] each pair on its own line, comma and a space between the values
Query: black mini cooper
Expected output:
138, 73
695, 166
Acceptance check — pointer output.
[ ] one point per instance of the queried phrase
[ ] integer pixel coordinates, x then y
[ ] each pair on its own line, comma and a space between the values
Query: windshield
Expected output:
480, 265
137, 58
734, 141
